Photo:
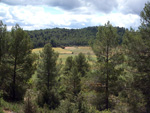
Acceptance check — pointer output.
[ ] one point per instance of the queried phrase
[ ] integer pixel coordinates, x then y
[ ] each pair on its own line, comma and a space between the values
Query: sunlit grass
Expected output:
78, 49
62, 51
57, 49
37, 50
71, 51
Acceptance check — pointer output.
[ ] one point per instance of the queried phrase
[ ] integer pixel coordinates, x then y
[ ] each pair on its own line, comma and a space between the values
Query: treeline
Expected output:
66, 37
118, 82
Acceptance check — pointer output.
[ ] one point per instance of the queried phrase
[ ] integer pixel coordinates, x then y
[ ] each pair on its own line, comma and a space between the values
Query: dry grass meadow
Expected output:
71, 51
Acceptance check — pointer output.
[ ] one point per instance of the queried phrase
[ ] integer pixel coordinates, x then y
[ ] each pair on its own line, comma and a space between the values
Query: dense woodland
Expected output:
118, 82
66, 37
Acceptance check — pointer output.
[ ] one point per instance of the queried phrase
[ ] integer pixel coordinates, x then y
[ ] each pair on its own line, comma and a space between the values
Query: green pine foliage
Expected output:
18, 66
3, 33
66, 37
118, 82
82, 64
46, 71
3, 52
104, 47
138, 45
46, 74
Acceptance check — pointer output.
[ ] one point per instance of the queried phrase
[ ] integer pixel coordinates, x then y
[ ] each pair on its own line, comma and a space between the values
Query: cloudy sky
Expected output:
42, 14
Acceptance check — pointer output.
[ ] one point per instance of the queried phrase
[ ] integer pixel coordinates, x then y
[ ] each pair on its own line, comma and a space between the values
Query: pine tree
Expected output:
132, 45
142, 57
71, 79
74, 70
69, 63
3, 52
21, 63
47, 67
82, 64
138, 47
3, 30
46, 74
104, 48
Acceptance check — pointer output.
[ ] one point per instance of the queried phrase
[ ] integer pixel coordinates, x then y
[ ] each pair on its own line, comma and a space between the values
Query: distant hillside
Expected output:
65, 37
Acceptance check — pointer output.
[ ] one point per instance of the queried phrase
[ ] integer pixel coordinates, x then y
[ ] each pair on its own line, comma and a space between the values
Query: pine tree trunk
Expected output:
48, 80
14, 80
107, 95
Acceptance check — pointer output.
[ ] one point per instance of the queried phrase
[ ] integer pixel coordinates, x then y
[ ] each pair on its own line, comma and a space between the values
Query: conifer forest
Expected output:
112, 75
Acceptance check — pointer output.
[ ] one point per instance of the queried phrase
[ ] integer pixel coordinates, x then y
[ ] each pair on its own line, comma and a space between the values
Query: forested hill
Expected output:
66, 37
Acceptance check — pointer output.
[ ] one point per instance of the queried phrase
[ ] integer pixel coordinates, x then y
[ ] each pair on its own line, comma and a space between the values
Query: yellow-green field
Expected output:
71, 51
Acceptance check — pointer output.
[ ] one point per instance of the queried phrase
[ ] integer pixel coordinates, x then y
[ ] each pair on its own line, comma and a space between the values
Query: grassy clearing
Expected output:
62, 51
71, 51
57, 49
77, 50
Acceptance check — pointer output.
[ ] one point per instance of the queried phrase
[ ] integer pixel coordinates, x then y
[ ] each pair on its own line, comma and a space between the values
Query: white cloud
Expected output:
32, 15
131, 6
106, 6
100, 5
118, 19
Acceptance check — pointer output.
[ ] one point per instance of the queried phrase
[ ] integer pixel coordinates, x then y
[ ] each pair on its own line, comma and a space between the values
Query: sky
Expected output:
42, 14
